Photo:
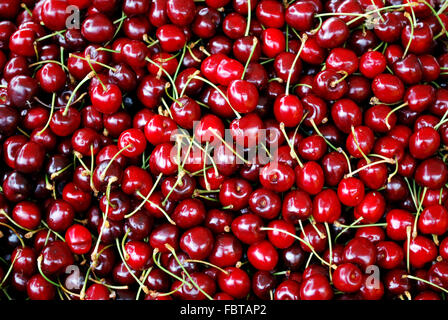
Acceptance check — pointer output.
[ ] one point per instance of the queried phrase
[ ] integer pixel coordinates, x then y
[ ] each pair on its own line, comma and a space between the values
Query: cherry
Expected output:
360, 251
388, 88
38, 288
316, 287
351, 191
97, 292
315, 236
106, 99
360, 141
341, 59
296, 206
398, 221
272, 42
421, 39
326, 206
332, 33
300, 15
25, 260
234, 282
389, 28
262, 283
78, 239
278, 238
287, 290
395, 283
421, 251
265, 203
60, 215
262, 256
138, 254
371, 290
310, 177
431, 173
164, 234
409, 69
97, 28
330, 85
270, 13
27, 214
334, 166
235, 193
347, 277
277, 177
424, 143
389, 254
56, 256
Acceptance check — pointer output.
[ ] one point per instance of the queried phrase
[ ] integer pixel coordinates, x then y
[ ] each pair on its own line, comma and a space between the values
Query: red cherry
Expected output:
78, 239
262, 256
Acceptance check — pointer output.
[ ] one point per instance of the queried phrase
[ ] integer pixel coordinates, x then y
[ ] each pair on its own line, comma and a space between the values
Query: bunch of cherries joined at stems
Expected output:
351, 204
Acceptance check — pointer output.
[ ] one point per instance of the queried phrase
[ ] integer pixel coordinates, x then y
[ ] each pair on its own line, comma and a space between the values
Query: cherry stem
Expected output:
254, 45
191, 77
48, 61
143, 279
39, 268
66, 291
180, 61
335, 82
13, 222
330, 248
220, 92
60, 32
249, 18
89, 61
158, 207
145, 198
411, 192
444, 31
103, 174
53, 98
353, 225
57, 173
207, 185
425, 281
313, 224
305, 242
15, 232
442, 121
23, 132
406, 14
158, 264
377, 10
171, 249
25, 7
94, 255
370, 164
408, 236
291, 147
208, 264
358, 146
443, 8
176, 95
193, 55
217, 135
121, 253
419, 209
389, 178
9, 270
89, 76
291, 70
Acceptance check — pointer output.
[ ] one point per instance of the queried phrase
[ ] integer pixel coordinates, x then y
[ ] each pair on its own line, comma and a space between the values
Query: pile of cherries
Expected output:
117, 181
